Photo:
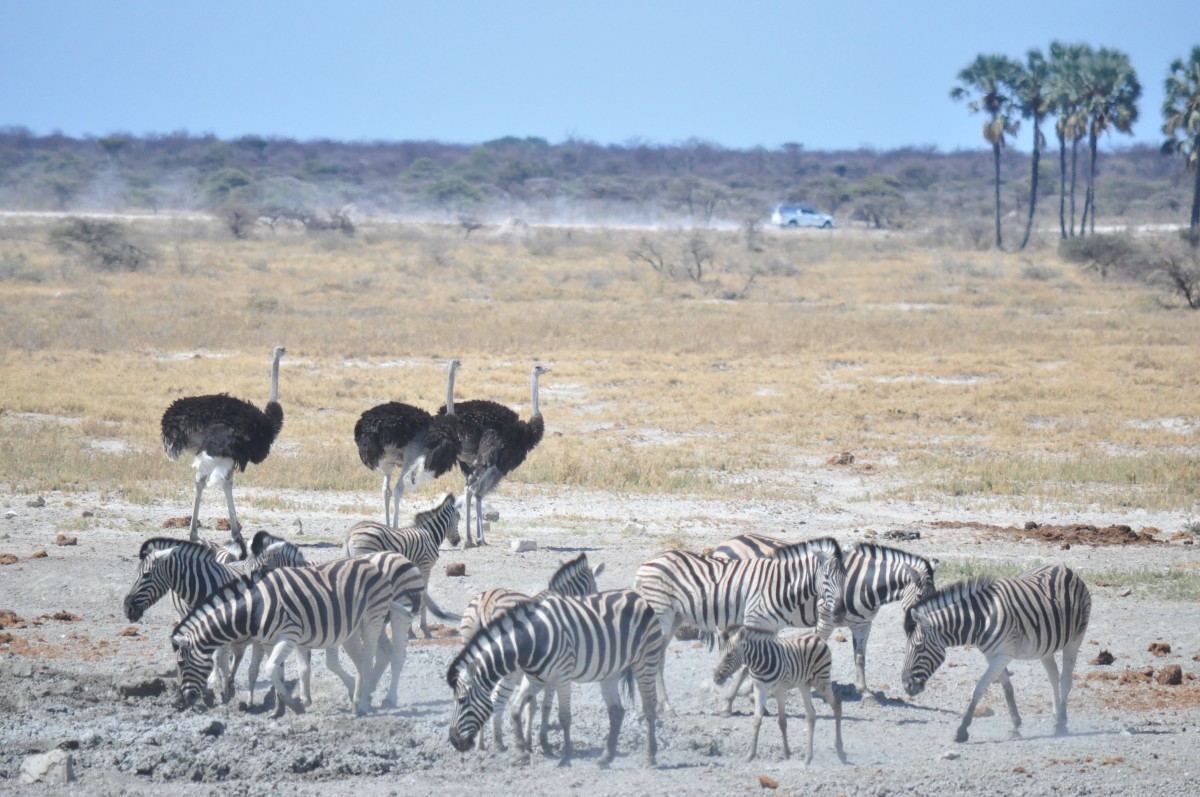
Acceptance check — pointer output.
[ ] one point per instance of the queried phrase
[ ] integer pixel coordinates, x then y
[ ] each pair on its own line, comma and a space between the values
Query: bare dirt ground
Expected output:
75, 675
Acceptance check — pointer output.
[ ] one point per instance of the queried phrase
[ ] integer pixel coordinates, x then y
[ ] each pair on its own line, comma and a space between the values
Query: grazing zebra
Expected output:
609, 637
1033, 616
715, 594
407, 585
875, 575
191, 571
778, 665
420, 543
573, 578
345, 603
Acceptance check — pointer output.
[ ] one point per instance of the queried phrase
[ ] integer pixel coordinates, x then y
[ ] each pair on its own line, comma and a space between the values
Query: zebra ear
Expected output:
180, 642
598, 570
161, 553
934, 564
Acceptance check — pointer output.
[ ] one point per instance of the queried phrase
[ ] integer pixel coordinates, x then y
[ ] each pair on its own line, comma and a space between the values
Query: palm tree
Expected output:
1033, 94
1110, 95
1181, 123
990, 80
1066, 86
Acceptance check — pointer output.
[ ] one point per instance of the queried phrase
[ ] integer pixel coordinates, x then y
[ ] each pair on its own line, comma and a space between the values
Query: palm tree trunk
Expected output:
1062, 185
1033, 181
1074, 180
1194, 228
996, 158
1089, 204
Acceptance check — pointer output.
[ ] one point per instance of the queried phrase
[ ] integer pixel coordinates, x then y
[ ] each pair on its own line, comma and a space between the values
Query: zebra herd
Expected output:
515, 646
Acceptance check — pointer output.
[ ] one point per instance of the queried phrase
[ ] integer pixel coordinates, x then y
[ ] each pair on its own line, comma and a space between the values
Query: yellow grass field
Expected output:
1014, 378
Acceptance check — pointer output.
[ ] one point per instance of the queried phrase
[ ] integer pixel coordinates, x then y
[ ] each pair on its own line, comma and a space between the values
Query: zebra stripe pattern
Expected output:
340, 603
1034, 616
407, 587
777, 665
610, 638
716, 594
875, 575
573, 578
420, 543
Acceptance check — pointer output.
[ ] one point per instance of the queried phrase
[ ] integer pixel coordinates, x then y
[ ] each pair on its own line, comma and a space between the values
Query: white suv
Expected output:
799, 216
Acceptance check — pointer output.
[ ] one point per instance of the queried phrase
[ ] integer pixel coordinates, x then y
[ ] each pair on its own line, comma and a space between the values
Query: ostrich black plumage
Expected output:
223, 433
396, 435
493, 442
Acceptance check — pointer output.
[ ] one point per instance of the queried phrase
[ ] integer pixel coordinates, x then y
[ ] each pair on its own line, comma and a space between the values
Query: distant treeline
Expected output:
694, 183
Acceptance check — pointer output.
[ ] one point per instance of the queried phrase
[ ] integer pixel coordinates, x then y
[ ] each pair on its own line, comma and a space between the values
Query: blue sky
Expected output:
828, 75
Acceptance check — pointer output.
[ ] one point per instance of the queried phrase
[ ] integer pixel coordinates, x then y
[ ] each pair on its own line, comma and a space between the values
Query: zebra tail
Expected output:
708, 638
627, 680
438, 611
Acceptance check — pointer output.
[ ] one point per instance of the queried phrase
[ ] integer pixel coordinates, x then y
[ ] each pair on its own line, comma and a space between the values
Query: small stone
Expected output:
8, 559
215, 728
129, 630
456, 569
491, 514
1160, 648
64, 539
65, 617
88, 513
38, 554
1030, 525
55, 768
768, 782
36, 502
1125, 593
9, 515
521, 546
948, 756
1171, 675
1103, 658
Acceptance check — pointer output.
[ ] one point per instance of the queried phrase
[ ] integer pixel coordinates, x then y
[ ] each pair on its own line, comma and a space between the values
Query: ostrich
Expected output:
493, 442
400, 435
223, 433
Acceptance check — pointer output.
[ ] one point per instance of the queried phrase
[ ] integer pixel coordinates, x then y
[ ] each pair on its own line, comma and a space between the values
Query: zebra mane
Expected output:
567, 571
164, 543
875, 550
224, 593
484, 636
818, 545
426, 517
958, 592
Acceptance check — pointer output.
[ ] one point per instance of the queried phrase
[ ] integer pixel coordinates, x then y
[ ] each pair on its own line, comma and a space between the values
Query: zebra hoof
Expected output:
961, 736
1060, 730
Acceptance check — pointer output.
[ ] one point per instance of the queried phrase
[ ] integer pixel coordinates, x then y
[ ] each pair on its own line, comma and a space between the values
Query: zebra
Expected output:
190, 571
875, 575
612, 637
1033, 616
407, 586
573, 578
778, 665
420, 543
715, 594
344, 602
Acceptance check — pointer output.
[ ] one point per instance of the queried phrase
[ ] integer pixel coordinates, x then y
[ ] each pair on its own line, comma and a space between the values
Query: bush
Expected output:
1104, 253
100, 245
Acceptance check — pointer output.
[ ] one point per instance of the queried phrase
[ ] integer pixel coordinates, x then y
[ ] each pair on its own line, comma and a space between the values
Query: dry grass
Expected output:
953, 370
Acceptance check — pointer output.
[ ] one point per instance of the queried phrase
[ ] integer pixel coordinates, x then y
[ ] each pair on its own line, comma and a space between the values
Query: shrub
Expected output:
100, 245
1104, 253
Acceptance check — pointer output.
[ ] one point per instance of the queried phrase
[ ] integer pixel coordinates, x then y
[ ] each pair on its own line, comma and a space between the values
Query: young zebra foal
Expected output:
1034, 616
777, 665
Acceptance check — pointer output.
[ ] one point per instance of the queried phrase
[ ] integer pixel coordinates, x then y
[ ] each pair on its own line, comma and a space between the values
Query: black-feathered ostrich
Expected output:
396, 435
223, 433
494, 441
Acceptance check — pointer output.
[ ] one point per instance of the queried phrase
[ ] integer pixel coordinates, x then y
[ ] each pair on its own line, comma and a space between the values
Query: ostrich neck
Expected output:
450, 391
275, 381
533, 391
